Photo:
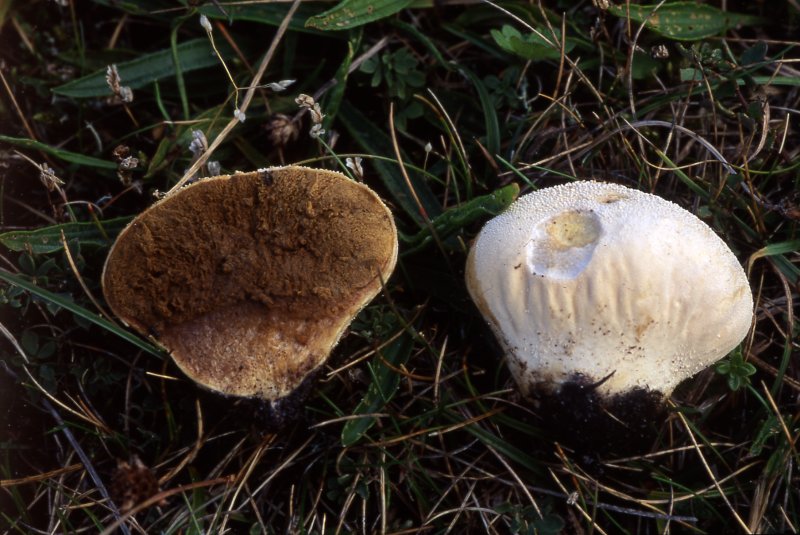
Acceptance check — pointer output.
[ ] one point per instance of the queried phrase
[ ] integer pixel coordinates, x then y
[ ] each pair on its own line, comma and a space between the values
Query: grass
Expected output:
415, 426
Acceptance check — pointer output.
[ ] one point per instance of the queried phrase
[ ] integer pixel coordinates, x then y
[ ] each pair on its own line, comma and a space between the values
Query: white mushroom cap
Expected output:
607, 284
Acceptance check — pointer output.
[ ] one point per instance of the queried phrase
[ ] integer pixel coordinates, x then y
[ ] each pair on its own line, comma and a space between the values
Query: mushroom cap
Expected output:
601, 284
249, 280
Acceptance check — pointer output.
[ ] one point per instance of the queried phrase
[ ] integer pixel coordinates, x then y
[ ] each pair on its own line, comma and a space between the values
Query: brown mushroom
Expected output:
249, 280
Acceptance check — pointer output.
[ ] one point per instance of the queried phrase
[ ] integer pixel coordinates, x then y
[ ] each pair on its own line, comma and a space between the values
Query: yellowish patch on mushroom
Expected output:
572, 229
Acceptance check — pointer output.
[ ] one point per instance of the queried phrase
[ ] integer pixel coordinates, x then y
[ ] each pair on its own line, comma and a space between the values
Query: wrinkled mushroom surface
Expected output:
597, 284
250, 279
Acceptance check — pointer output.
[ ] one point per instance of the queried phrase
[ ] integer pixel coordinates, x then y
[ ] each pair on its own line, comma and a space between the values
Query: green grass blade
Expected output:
684, 21
48, 239
61, 154
336, 94
78, 310
143, 8
375, 141
353, 13
146, 69
385, 381
159, 159
531, 46
774, 249
775, 80
489, 111
429, 45
177, 67
507, 449
786, 358
691, 184
270, 14
457, 217
4, 9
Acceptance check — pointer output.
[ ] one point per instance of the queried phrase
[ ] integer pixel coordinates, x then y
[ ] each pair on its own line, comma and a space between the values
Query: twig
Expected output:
244, 475
203, 158
666, 124
156, 498
39, 477
356, 63
87, 464
575, 504
516, 478
711, 474
85, 288
21, 115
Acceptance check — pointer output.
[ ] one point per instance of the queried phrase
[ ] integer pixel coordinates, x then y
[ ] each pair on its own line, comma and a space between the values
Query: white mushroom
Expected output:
607, 286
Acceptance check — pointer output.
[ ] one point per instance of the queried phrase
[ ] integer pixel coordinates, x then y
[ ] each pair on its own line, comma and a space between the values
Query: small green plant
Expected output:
529, 521
706, 60
508, 89
736, 371
532, 46
399, 72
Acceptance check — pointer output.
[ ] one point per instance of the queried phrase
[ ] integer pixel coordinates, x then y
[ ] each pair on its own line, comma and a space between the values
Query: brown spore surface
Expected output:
250, 279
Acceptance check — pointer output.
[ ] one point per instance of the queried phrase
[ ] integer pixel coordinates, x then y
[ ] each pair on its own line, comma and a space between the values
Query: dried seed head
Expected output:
126, 94
114, 81
305, 101
283, 85
48, 177
281, 130
121, 152
129, 163
132, 483
125, 164
204, 22
112, 78
659, 52
316, 131
125, 169
355, 165
316, 113
199, 144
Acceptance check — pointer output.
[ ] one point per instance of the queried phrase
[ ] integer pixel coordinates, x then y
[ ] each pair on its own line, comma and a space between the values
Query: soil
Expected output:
595, 425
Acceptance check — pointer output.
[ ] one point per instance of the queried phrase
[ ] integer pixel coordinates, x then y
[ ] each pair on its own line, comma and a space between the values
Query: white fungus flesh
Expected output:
607, 285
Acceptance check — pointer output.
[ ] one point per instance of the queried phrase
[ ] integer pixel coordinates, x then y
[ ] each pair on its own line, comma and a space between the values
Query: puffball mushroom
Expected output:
597, 288
250, 279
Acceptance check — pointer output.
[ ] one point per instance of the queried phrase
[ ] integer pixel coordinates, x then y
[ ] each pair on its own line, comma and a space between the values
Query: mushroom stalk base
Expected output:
273, 415
595, 424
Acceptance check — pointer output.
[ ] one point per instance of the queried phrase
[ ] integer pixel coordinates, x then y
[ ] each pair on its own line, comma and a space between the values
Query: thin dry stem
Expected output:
262, 68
